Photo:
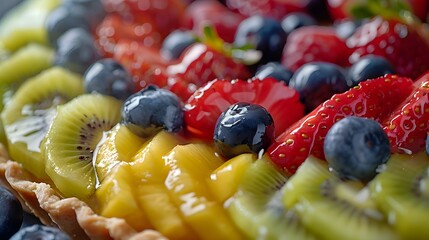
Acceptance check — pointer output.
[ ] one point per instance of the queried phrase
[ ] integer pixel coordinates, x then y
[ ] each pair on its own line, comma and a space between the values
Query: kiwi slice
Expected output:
75, 134
257, 207
332, 208
402, 192
25, 24
28, 114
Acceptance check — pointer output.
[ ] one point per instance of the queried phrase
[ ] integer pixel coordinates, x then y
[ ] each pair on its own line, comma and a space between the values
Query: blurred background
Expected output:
6, 5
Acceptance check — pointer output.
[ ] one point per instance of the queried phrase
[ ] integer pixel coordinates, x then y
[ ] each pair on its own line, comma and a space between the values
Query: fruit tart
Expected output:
176, 119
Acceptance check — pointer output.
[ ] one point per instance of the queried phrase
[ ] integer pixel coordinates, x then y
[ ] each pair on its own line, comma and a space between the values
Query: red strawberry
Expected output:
408, 125
399, 43
166, 14
373, 99
200, 64
201, 13
340, 9
314, 43
114, 28
272, 8
206, 105
141, 61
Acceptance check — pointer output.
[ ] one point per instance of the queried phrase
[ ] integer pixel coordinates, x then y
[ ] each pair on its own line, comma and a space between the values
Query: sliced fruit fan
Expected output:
211, 119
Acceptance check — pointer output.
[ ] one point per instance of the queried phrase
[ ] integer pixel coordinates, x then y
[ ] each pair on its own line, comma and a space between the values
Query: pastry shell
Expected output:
71, 215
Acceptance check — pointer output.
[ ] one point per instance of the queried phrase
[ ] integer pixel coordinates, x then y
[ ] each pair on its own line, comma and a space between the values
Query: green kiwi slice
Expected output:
332, 208
257, 207
402, 192
28, 114
25, 24
73, 138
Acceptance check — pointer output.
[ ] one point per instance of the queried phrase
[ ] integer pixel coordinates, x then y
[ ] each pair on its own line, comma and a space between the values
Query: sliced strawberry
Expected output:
141, 61
373, 99
166, 14
408, 125
314, 43
200, 64
201, 13
114, 28
400, 43
206, 105
273, 8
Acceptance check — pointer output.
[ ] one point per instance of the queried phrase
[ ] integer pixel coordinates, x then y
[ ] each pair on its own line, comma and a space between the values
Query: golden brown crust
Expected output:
73, 216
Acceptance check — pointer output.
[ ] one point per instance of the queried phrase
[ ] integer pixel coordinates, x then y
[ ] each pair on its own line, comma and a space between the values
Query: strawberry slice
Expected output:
205, 106
408, 125
373, 99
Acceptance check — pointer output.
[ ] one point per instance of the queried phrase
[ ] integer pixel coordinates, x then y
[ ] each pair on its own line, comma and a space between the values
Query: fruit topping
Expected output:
264, 34
293, 21
407, 126
152, 109
204, 107
243, 128
76, 50
40, 232
29, 113
108, 77
273, 8
72, 139
11, 213
368, 67
355, 148
318, 81
175, 44
401, 191
373, 99
274, 70
94, 11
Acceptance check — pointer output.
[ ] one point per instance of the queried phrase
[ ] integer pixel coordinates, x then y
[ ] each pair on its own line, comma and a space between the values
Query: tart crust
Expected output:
71, 215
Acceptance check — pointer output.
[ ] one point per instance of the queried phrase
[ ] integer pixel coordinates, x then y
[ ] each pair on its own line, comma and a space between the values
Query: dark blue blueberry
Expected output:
369, 67
275, 70
62, 19
151, 110
356, 147
76, 50
94, 11
427, 145
11, 214
175, 43
108, 77
243, 128
294, 21
346, 28
317, 82
40, 232
263, 33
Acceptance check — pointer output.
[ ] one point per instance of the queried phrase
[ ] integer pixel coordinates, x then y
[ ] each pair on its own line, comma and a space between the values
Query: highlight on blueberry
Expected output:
108, 77
243, 128
356, 147
41, 232
151, 110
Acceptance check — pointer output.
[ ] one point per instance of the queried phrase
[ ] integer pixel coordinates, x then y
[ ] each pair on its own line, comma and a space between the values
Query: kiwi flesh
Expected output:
402, 192
28, 114
75, 134
257, 207
332, 208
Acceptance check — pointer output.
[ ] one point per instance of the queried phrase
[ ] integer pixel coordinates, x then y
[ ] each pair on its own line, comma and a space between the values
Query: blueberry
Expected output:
76, 50
346, 28
40, 232
274, 70
152, 109
62, 19
11, 214
355, 147
427, 145
317, 82
294, 21
263, 33
175, 43
368, 67
93, 10
108, 77
242, 128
